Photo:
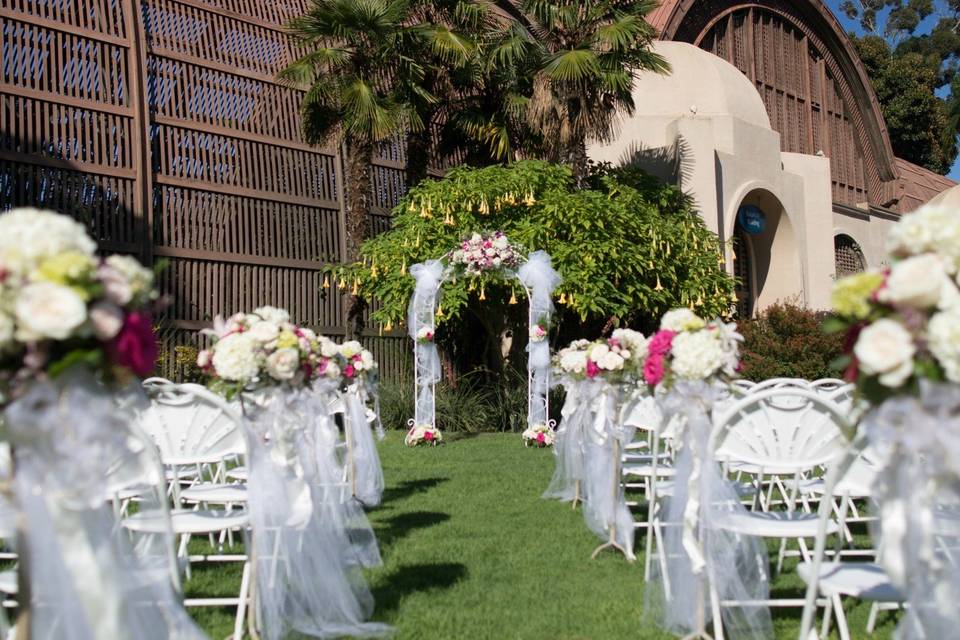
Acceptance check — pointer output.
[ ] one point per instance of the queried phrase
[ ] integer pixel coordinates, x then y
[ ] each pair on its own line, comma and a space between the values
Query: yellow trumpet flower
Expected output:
326, 281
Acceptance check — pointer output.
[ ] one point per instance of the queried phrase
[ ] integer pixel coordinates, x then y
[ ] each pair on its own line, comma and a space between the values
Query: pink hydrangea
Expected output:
661, 342
653, 369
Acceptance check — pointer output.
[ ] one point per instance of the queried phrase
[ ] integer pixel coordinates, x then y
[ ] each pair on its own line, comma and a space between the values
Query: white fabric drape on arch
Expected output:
429, 276
541, 280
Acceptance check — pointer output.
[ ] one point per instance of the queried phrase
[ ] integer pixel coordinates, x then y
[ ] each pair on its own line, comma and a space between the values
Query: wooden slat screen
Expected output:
161, 125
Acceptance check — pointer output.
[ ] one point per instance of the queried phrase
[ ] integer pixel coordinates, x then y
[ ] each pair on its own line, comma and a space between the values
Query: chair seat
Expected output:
8, 582
238, 473
848, 487
665, 489
187, 522
217, 493
646, 470
644, 458
182, 473
863, 580
774, 524
772, 470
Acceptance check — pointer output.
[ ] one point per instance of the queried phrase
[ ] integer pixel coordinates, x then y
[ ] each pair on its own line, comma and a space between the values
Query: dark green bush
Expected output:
787, 341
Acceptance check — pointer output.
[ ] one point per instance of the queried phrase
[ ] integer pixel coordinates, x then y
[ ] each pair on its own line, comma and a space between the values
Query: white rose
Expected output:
367, 358
332, 370
598, 352
107, 320
283, 364
47, 310
272, 314
236, 357
915, 282
943, 335
328, 348
680, 320
116, 287
308, 334
697, 355
886, 349
476, 238
203, 359
574, 361
632, 341
610, 361
28, 236
264, 332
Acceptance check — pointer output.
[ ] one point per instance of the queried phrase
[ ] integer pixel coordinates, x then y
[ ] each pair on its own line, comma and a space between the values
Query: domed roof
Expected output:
699, 84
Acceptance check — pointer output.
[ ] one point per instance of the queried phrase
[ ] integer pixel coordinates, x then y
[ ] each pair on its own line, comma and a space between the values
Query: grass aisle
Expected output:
471, 551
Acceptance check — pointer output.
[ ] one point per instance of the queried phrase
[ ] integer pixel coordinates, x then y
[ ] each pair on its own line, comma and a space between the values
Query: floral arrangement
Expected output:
687, 347
357, 363
61, 305
423, 435
902, 322
263, 349
539, 435
619, 358
484, 252
425, 335
539, 332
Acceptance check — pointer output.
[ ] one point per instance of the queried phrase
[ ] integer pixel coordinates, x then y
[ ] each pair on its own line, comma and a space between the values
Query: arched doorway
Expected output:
847, 256
743, 272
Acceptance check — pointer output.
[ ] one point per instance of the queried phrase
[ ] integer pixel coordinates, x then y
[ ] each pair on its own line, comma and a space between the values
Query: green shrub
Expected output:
467, 408
787, 341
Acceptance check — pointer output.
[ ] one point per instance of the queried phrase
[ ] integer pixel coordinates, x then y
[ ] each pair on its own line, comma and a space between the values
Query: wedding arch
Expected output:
477, 255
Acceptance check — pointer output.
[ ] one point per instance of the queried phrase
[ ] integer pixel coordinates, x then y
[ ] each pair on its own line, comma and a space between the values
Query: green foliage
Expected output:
918, 121
623, 256
185, 361
465, 408
786, 341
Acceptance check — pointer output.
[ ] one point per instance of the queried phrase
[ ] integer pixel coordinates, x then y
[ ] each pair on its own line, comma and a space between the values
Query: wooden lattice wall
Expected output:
798, 89
160, 123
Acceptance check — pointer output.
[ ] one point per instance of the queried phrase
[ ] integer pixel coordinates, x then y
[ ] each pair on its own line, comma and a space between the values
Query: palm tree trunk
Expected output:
358, 187
577, 157
418, 157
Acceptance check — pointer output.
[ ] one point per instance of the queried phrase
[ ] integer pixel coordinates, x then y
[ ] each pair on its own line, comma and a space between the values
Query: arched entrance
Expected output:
767, 259
847, 256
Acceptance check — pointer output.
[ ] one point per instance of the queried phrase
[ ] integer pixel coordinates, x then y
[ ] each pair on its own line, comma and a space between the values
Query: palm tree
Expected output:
581, 57
365, 72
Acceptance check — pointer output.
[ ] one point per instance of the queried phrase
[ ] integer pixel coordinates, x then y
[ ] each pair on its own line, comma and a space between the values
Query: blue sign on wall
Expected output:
751, 219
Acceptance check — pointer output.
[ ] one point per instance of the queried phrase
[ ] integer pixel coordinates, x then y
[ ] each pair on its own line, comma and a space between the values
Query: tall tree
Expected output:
912, 50
563, 72
365, 74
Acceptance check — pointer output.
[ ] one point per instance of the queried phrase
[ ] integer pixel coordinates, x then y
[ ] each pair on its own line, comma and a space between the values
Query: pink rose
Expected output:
322, 367
135, 346
592, 369
204, 358
653, 369
661, 342
428, 436
349, 371
541, 437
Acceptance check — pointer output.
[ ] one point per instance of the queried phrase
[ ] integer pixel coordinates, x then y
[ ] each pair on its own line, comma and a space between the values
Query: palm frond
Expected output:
572, 66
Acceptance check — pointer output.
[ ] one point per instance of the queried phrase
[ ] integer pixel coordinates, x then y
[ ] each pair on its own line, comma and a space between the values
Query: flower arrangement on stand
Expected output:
687, 347
61, 306
423, 435
425, 335
76, 336
902, 330
262, 349
483, 252
539, 436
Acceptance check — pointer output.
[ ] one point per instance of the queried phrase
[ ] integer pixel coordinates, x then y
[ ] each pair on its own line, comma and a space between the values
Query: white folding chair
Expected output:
196, 429
783, 433
828, 583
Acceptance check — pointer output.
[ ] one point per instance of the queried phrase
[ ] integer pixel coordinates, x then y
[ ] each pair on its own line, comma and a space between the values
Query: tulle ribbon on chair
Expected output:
307, 579
918, 493
703, 561
366, 473
575, 415
541, 279
79, 464
605, 507
429, 276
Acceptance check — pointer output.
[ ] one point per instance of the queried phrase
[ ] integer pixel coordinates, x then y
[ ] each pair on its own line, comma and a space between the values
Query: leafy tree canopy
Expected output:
629, 248
912, 50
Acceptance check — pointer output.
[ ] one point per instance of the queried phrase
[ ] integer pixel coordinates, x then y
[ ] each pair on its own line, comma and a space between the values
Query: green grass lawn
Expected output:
471, 551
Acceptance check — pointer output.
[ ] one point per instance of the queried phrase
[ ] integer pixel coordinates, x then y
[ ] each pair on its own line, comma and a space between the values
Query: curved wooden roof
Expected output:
691, 20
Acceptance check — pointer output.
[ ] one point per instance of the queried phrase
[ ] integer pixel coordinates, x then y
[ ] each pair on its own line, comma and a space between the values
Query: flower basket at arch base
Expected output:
539, 436
423, 435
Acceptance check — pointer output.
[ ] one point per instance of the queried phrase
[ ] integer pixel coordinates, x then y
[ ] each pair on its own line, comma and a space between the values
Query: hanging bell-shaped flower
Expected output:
356, 287
483, 294
513, 297
326, 281
659, 286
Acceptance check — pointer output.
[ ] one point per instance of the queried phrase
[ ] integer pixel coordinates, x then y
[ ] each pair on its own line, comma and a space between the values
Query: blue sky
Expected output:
851, 25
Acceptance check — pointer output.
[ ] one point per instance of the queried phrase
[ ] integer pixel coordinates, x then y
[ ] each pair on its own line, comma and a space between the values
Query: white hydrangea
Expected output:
27, 236
264, 332
633, 341
943, 336
697, 355
350, 348
573, 361
610, 361
328, 348
682, 319
272, 314
930, 229
236, 357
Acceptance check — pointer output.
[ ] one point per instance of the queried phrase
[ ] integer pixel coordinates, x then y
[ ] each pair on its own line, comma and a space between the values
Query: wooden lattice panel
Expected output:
848, 258
162, 125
